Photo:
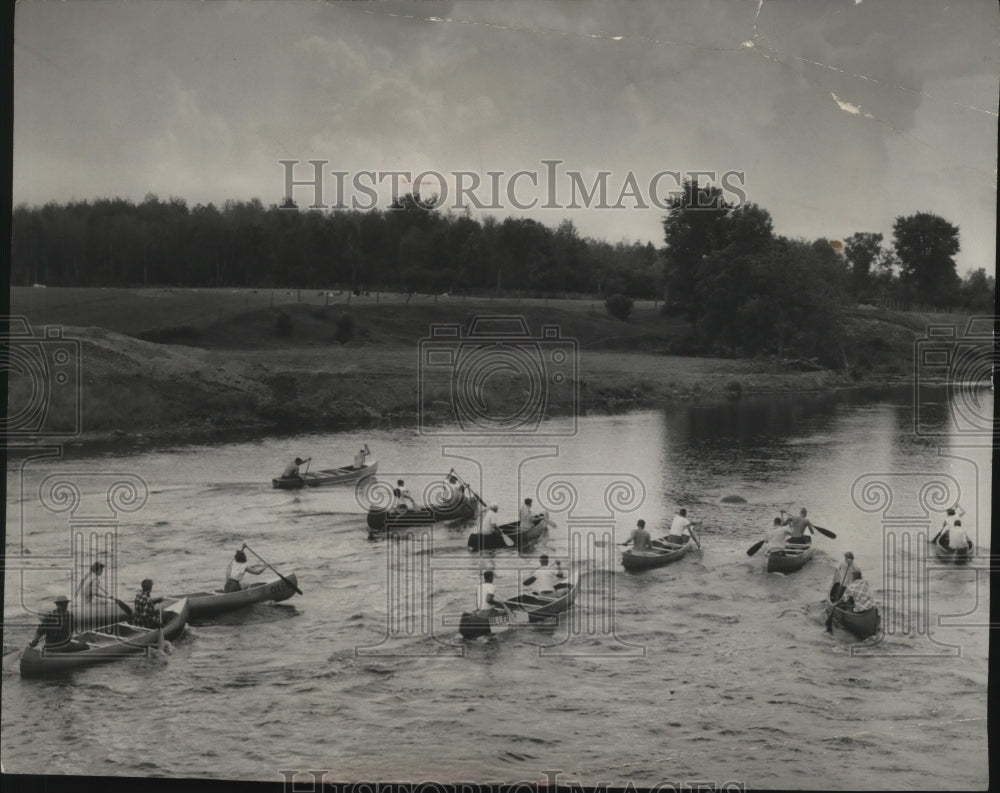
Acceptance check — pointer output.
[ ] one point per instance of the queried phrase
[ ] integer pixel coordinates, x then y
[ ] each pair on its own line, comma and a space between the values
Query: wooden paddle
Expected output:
756, 547
124, 607
827, 532
694, 536
840, 594
268, 565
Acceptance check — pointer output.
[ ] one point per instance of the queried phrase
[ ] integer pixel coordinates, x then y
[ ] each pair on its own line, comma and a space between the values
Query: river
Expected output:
709, 669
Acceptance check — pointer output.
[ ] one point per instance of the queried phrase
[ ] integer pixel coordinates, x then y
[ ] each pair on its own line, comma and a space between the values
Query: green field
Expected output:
183, 361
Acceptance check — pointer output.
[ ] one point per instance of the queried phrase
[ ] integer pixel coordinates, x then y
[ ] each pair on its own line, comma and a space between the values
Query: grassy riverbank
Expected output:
186, 362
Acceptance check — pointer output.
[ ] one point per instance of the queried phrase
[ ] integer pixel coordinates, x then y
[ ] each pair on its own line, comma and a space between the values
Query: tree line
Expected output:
746, 290
406, 247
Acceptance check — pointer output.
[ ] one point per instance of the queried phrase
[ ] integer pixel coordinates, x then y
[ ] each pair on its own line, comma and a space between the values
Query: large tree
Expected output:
925, 244
692, 230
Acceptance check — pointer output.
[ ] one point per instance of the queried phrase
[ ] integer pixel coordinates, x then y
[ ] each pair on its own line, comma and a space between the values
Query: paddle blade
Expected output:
755, 547
826, 532
508, 541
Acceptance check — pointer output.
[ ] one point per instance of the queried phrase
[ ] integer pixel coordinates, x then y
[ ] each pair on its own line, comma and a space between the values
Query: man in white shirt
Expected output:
679, 528
403, 498
237, 568
544, 578
486, 598
490, 525
524, 515
359, 458
958, 540
292, 469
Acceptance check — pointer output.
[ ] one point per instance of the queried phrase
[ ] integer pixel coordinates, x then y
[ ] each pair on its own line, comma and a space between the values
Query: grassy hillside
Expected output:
189, 361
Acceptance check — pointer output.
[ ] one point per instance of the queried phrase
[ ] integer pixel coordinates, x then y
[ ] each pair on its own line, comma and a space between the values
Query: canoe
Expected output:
393, 519
527, 608
786, 560
522, 538
862, 624
211, 604
110, 643
661, 554
326, 476
951, 556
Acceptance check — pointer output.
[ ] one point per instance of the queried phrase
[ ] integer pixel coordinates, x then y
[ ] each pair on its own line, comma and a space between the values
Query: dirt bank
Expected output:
204, 375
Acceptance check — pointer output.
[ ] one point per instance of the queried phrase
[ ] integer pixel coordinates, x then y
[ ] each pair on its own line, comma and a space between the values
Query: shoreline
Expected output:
239, 377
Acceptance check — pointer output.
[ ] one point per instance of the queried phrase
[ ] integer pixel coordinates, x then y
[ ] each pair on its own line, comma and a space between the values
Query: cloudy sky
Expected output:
841, 115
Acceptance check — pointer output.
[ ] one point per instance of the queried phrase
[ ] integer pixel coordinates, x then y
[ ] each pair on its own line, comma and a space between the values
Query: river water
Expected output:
706, 670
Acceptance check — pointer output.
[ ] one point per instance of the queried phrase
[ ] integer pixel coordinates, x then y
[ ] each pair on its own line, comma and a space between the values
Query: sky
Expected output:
837, 116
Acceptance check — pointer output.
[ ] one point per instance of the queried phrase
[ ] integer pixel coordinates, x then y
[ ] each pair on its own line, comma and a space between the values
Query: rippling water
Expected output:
709, 669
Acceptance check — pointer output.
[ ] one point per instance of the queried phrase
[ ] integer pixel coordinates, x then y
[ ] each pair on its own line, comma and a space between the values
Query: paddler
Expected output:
359, 458
238, 567
403, 498
799, 523
57, 628
680, 528
843, 576
292, 469
640, 539
544, 578
490, 525
486, 598
145, 615
524, 515
90, 589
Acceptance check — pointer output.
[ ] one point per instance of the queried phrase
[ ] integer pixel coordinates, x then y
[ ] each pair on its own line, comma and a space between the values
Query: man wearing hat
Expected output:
57, 628
145, 615
843, 577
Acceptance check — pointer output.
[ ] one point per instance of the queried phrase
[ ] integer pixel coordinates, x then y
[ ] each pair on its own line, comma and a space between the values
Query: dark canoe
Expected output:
862, 624
786, 560
522, 539
951, 556
110, 643
394, 519
326, 476
211, 604
662, 553
526, 608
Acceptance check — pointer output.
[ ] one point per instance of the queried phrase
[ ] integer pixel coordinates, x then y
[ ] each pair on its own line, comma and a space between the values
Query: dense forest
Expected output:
743, 288
405, 248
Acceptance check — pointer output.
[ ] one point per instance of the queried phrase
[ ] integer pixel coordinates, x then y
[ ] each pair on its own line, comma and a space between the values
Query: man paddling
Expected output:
490, 524
544, 578
843, 576
359, 458
857, 596
798, 524
145, 615
524, 515
404, 500
680, 528
957, 540
90, 590
57, 629
237, 568
486, 598
640, 538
